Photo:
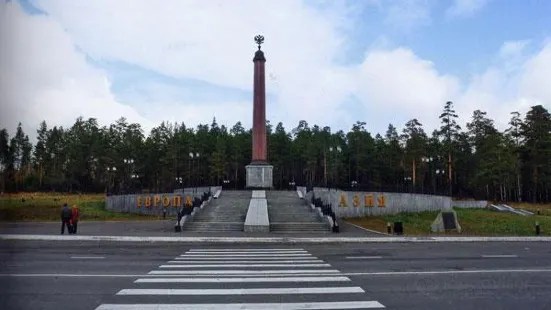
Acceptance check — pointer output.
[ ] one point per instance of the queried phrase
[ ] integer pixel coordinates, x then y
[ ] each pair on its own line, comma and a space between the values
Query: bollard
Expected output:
537, 228
164, 214
398, 228
388, 228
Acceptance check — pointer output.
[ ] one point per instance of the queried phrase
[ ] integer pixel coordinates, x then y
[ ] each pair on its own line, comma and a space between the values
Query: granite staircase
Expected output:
227, 213
290, 214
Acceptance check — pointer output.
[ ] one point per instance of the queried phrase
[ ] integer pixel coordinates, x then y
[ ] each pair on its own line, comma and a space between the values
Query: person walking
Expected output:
65, 219
74, 218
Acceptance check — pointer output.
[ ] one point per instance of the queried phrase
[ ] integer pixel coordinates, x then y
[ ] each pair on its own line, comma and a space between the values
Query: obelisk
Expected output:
259, 172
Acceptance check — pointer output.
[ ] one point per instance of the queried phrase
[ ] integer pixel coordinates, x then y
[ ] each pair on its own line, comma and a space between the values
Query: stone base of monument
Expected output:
446, 221
259, 176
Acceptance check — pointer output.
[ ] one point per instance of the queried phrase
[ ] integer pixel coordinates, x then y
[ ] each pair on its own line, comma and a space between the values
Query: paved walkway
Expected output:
158, 228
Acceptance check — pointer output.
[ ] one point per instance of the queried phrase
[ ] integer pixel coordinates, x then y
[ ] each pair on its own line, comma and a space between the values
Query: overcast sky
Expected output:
328, 62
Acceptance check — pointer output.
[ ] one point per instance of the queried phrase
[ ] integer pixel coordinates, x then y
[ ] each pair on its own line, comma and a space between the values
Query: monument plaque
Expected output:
449, 220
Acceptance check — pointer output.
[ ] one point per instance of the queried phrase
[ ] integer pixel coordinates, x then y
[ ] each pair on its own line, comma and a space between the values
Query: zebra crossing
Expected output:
245, 279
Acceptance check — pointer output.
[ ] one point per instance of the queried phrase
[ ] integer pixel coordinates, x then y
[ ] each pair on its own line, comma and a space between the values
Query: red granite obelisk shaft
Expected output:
259, 152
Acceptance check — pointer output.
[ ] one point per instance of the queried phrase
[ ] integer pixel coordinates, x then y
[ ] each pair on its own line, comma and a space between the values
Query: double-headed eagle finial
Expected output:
259, 40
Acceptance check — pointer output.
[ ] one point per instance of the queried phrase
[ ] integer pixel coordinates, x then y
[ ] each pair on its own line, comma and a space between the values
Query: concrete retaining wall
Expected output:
154, 204
359, 204
475, 204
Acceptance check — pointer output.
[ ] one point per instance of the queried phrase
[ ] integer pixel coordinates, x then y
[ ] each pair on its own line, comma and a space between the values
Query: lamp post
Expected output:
200, 173
354, 184
133, 177
440, 172
407, 179
334, 167
428, 160
128, 164
179, 181
191, 156
292, 184
110, 172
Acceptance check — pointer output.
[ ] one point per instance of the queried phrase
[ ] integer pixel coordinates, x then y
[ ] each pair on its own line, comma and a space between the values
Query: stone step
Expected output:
298, 226
211, 227
225, 220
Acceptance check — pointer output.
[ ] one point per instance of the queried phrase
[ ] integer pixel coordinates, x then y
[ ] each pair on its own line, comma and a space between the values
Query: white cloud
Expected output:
48, 78
510, 84
213, 41
465, 8
397, 80
43, 77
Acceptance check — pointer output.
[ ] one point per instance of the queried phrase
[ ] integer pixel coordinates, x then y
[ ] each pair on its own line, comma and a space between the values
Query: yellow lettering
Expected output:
356, 200
140, 201
166, 201
189, 203
176, 201
156, 200
147, 201
381, 201
342, 201
369, 201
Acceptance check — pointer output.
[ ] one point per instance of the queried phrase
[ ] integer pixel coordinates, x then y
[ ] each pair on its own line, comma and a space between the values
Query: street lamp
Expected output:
337, 150
134, 177
407, 180
191, 156
429, 160
439, 172
110, 171
129, 162
354, 184
179, 180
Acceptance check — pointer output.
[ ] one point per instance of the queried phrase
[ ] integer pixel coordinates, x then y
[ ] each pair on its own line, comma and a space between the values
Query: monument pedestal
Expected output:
259, 176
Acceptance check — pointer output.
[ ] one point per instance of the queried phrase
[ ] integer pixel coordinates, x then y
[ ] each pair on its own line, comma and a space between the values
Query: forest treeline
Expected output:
478, 161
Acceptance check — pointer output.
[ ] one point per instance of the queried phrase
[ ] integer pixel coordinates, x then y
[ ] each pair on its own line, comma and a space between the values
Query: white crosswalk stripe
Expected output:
231, 279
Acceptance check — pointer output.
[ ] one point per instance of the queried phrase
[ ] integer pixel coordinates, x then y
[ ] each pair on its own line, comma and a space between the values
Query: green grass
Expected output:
480, 222
47, 207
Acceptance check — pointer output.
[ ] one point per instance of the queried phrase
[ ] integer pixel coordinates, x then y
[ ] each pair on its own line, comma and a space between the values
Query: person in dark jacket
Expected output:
65, 219
74, 219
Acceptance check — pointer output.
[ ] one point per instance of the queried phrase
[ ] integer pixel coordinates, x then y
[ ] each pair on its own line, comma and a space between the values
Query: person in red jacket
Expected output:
74, 219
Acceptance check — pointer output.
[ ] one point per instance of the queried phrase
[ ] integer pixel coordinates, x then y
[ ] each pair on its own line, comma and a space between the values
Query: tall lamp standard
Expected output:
128, 162
111, 174
429, 161
191, 156
407, 180
292, 184
134, 177
334, 167
440, 172
179, 181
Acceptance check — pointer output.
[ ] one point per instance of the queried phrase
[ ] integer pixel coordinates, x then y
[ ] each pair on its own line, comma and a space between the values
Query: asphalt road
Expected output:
94, 275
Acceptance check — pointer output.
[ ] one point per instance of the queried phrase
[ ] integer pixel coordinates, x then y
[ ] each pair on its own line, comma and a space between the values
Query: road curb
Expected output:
287, 240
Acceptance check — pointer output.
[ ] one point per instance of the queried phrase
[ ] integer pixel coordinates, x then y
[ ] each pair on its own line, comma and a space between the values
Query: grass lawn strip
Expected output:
481, 222
30, 207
